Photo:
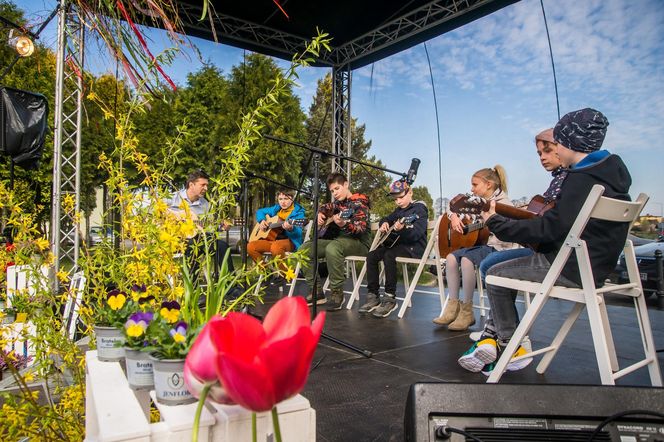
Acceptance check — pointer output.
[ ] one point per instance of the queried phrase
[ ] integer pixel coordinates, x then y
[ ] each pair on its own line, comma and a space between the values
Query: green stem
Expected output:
253, 427
199, 409
275, 422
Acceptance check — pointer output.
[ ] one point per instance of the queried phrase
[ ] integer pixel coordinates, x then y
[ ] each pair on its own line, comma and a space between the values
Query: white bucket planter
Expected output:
169, 382
109, 344
139, 369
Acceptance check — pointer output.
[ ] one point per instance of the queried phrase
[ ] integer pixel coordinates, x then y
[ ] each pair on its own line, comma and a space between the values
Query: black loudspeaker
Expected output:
525, 413
23, 125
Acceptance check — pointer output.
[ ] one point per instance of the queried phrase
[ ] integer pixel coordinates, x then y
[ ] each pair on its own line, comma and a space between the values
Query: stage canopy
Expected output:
363, 31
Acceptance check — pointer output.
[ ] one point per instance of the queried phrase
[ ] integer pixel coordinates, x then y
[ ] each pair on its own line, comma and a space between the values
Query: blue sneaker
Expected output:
481, 353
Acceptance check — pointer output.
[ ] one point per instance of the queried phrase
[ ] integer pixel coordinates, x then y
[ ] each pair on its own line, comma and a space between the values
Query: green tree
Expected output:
34, 74
277, 161
421, 193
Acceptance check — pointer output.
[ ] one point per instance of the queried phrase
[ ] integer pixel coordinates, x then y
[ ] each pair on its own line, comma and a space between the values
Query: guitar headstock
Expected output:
347, 214
410, 219
469, 204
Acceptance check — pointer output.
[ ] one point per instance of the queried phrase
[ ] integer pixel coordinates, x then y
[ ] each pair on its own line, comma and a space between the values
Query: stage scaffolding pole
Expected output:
64, 231
341, 121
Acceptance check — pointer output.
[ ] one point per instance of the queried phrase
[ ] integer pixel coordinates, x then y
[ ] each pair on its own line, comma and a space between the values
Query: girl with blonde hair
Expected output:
491, 184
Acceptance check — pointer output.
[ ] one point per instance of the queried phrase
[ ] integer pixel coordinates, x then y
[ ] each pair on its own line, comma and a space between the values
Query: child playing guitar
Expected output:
348, 235
410, 242
279, 240
491, 184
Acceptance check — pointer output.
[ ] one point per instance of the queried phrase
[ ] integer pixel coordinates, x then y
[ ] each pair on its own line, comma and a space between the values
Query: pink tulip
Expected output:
199, 367
260, 365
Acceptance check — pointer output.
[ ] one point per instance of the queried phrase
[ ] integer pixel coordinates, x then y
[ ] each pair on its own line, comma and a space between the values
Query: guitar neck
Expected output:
513, 212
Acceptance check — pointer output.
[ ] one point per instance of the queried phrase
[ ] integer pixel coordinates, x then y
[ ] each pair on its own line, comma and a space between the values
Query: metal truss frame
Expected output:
65, 237
341, 127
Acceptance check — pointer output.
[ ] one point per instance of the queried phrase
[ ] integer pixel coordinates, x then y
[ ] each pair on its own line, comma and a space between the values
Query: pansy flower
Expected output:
116, 299
170, 311
179, 332
138, 291
138, 323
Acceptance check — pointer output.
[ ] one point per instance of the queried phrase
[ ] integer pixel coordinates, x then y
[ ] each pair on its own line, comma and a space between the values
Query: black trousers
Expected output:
389, 258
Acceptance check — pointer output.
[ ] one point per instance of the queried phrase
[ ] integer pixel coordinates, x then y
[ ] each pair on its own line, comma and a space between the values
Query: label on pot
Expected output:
169, 385
107, 349
139, 372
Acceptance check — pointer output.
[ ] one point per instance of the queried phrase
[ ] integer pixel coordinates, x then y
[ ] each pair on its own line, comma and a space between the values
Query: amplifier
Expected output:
525, 413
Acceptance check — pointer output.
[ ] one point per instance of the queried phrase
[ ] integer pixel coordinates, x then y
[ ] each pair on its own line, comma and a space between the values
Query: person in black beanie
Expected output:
580, 135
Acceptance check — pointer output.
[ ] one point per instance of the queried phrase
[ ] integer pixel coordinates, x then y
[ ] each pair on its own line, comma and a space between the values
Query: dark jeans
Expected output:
504, 316
389, 258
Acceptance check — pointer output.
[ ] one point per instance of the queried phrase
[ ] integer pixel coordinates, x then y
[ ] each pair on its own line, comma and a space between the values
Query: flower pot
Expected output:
9, 318
107, 349
169, 382
139, 369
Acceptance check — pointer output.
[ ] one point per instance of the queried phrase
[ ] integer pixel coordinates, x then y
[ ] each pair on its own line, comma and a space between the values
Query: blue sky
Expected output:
495, 90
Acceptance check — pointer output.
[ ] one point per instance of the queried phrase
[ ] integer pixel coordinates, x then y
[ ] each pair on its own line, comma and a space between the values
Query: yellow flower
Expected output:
29, 377
161, 207
42, 244
63, 276
116, 302
177, 337
135, 330
170, 315
187, 228
290, 274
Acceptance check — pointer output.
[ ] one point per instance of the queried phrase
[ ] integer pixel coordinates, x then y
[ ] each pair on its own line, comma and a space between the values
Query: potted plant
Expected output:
112, 313
8, 315
169, 342
137, 360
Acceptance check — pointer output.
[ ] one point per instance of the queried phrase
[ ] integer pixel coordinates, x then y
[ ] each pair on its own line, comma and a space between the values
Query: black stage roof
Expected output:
363, 31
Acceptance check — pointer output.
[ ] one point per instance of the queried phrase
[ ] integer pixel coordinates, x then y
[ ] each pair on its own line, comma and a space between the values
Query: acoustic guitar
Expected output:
449, 240
391, 237
472, 204
327, 229
274, 223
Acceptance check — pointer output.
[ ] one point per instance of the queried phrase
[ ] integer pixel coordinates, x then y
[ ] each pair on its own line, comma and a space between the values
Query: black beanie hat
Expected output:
582, 130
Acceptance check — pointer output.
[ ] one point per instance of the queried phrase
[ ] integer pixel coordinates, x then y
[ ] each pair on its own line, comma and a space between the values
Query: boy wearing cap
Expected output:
412, 240
579, 135
346, 236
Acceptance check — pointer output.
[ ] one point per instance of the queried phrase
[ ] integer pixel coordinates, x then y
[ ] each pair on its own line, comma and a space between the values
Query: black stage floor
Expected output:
362, 399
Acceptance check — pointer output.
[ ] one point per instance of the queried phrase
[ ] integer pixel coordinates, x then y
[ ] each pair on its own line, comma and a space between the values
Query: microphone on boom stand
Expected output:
412, 172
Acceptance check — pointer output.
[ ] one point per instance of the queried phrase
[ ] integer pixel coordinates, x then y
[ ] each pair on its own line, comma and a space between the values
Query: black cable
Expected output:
435, 103
613, 417
444, 433
553, 66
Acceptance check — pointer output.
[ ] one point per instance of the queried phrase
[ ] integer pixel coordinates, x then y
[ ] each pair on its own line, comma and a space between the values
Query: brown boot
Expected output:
449, 314
465, 319
336, 300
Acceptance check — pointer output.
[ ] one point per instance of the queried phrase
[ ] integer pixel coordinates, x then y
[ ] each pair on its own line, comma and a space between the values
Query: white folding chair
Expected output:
298, 267
596, 207
23, 277
73, 304
431, 256
350, 263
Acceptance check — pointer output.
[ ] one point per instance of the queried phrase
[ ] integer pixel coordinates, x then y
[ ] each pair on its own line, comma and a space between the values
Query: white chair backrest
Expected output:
73, 304
307, 231
23, 277
374, 228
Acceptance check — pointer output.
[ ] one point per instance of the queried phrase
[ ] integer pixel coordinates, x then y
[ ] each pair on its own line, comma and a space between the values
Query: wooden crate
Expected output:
114, 412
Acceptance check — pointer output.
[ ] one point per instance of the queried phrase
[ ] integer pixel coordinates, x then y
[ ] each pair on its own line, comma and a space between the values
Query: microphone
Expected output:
412, 172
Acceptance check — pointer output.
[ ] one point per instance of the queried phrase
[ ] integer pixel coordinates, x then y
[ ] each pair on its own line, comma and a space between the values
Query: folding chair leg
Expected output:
411, 288
406, 279
291, 290
441, 288
480, 291
521, 331
258, 285
648, 341
560, 337
356, 287
610, 343
598, 332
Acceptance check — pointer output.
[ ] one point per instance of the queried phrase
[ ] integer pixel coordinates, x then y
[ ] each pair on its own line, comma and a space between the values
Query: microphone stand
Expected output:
317, 155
